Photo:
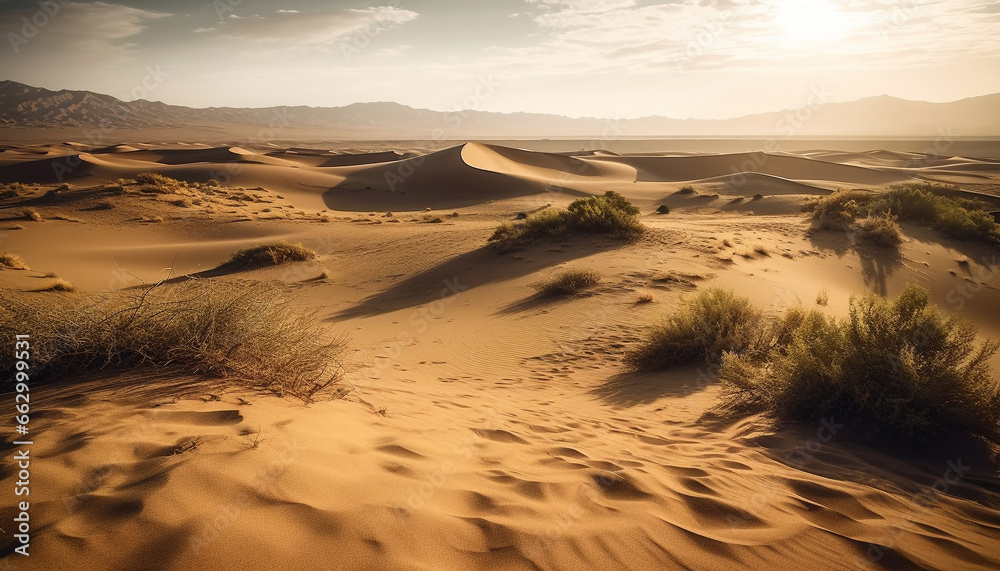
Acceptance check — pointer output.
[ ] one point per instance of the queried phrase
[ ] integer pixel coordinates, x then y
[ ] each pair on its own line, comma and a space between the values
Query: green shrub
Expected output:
250, 332
567, 283
270, 255
898, 370
609, 213
705, 326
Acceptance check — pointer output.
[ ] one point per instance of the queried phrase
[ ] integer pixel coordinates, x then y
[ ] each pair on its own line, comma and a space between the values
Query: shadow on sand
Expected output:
631, 389
476, 268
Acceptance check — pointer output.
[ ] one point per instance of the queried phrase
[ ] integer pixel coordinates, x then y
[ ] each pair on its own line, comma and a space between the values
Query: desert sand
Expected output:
486, 428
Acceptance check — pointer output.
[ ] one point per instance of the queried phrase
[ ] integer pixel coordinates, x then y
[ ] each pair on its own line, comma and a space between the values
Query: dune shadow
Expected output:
631, 389
538, 301
472, 269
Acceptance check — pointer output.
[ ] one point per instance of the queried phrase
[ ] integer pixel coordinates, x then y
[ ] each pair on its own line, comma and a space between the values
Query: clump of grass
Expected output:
686, 190
761, 250
59, 285
899, 370
154, 183
663, 209
248, 332
609, 213
270, 255
13, 261
567, 283
31, 214
880, 229
181, 202
706, 325
758, 196
644, 298
823, 297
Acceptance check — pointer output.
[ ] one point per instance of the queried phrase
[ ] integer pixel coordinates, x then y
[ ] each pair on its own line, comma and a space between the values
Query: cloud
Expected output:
315, 28
737, 34
77, 30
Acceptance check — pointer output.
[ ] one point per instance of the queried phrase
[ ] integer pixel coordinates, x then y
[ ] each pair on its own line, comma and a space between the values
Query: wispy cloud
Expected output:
77, 30
313, 28
592, 34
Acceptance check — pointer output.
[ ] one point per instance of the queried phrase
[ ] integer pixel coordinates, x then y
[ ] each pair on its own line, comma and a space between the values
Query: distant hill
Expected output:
25, 106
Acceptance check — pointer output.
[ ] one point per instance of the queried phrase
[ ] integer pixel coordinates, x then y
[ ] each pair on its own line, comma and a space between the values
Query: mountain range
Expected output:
27, 107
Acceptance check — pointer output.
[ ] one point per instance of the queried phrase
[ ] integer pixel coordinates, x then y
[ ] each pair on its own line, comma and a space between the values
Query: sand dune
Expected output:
487, 428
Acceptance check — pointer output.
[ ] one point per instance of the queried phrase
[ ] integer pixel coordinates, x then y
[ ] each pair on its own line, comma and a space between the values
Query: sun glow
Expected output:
809, 22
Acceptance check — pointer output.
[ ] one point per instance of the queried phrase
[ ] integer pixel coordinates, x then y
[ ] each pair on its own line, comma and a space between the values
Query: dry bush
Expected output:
270, 255
881, 230
249, 332
31, 214
153, 183
13, 261
567, 283
706, 325
823, 297
59, 284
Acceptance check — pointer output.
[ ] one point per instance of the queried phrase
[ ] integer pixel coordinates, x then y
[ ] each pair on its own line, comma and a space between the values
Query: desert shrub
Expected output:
899, 370
705, 326
959, 218
270, 255
567, 283
758, 196
31, 214
59, 284
686, 190
250, 332
156, 179
663, 209
13, 261
880, 229
837, 211
609, 213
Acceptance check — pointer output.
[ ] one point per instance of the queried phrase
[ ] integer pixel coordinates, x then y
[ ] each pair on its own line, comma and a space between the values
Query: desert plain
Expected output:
474, 424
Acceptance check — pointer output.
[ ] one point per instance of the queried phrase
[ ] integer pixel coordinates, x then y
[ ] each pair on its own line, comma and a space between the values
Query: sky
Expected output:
708, 59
